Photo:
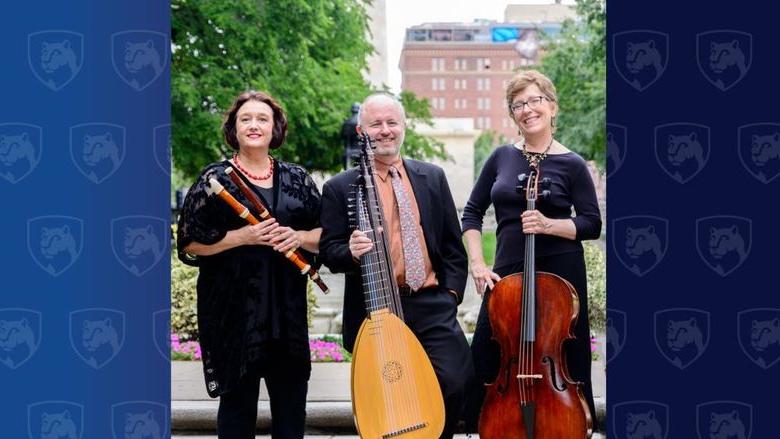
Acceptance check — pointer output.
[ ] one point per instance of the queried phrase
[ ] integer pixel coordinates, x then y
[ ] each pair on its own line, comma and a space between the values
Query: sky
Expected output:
402, 14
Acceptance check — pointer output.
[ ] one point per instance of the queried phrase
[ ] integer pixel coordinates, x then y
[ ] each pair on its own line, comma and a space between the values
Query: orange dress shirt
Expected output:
393, 221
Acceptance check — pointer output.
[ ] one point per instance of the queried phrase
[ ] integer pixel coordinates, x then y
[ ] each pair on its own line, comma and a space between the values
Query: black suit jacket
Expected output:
440, 226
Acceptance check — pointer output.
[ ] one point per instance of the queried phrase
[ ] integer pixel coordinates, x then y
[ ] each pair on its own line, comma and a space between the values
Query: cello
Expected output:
395, 391
532, 313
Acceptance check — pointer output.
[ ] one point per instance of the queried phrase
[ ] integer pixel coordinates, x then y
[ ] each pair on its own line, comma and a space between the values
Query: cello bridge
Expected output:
531, 377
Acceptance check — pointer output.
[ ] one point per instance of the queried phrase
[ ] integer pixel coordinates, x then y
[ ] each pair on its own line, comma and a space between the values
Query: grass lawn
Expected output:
489, 247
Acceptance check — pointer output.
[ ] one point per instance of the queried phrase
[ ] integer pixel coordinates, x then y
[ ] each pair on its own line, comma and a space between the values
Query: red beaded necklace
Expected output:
252, 176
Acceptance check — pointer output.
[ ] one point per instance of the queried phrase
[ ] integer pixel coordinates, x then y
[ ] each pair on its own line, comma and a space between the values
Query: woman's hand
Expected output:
535, 222
483, 277
359, 244
258, 234
286, 239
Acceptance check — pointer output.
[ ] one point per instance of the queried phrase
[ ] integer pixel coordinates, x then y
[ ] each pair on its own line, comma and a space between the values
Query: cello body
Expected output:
395, 391
560, 408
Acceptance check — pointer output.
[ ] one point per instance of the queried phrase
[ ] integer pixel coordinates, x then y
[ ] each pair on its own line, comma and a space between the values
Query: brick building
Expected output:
463, 68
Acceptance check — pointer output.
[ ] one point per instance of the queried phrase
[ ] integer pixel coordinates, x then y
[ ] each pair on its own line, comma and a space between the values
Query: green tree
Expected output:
308, 54
576, 60
483, 146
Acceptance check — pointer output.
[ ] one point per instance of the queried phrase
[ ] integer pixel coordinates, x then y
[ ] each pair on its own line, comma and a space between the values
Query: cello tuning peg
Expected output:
546, 182
520, 189
545, 195
522, 178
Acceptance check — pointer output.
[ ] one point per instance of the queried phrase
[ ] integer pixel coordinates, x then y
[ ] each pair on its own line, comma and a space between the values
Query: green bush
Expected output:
595, 262
184, 312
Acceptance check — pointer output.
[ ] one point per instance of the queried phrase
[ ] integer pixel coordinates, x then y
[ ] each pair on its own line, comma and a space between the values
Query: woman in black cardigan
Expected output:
532, 103
251, 300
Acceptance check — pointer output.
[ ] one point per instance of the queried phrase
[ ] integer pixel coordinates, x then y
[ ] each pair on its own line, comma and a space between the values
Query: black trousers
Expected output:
431, 314
486, 352
287, 386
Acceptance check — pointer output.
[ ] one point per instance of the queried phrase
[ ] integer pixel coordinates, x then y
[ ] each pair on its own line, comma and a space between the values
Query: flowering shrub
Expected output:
328, 349
323, 350
188, 350
594, 346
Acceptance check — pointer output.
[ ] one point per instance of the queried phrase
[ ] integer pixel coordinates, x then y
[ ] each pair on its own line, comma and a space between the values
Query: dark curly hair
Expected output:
280, 120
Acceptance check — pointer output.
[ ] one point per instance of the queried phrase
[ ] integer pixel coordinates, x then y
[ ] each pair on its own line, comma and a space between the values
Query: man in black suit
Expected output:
423, 233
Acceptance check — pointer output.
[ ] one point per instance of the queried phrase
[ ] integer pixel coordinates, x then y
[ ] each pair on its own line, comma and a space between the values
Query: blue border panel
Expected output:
693, 156
85, 183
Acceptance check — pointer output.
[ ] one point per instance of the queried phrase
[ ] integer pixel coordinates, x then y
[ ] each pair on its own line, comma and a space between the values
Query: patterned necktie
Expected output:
415, 268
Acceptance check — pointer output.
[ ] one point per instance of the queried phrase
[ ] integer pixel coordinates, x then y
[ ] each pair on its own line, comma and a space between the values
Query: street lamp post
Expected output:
350, 137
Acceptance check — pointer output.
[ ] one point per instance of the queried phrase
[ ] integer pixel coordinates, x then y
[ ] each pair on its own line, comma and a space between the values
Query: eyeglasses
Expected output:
532, 103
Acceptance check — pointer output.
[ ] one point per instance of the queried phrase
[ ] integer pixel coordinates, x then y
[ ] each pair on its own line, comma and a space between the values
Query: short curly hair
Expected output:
279, 132
526, 78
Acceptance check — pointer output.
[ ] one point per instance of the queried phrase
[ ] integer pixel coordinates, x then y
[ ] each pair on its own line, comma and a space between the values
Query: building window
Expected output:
437, 64
464, 103
483, 63
487, 83
486, 123
434, 84
441, 84
442, 104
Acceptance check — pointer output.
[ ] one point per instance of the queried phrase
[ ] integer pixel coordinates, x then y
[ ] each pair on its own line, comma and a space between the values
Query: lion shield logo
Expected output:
139, 242
640, 242
640, 420
617, 325
97, 149
20, 150
724, 420
20, 335
97, 335
55, 56
759, 150
161, 331
682, 149
55, 420
139, 420
617, 140
681, 334
723, 242
55, 242
640, 56
724, 56
139, 57
759, 335
162, 147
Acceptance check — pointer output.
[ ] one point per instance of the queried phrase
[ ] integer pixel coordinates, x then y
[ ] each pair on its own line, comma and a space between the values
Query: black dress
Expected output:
571, 186
251, 300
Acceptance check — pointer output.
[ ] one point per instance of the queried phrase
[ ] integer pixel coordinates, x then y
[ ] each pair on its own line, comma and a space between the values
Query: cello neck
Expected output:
528, 318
